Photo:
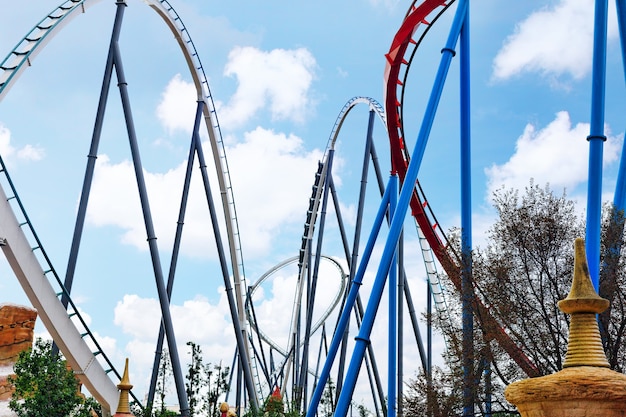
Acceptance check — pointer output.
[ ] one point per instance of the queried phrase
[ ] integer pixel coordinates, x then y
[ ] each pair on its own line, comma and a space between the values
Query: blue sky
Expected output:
280, 72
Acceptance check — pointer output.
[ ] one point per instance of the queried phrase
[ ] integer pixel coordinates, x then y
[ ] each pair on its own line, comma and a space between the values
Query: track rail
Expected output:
22, 56
420, 18
26, 255
333, 304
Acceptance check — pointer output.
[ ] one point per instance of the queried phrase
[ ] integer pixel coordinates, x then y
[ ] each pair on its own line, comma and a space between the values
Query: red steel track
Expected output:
395, 74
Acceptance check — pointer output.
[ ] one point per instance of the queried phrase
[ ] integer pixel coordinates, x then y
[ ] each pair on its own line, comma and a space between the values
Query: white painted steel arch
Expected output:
16, 247
343, 283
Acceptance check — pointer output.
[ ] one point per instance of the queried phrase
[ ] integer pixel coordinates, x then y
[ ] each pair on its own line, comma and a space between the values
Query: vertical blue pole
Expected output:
596, 140
466, 223
619, 199
362, 339
393, 310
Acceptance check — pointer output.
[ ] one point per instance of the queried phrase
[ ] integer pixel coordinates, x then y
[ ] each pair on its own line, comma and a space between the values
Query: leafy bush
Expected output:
46, 387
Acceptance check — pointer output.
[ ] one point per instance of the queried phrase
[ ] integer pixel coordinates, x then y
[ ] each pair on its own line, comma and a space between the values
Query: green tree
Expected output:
521, 273
194, 378
163, 384
205, 384
138, 411
162, 388
327, 402
613, 288
216, 383
363, 411
438, 396
46, 387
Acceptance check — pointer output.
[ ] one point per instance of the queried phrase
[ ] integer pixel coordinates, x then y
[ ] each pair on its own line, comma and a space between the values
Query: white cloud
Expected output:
274, 300
177, 107
30, 153
271, 174
272, 178
8, 151
210, 326
552, 41
196, 320
258, 166
114, 200
138, 317
279, 80
5, 142
556, 154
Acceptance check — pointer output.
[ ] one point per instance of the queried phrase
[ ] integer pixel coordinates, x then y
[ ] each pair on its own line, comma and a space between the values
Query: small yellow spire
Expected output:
124, 386
584, 347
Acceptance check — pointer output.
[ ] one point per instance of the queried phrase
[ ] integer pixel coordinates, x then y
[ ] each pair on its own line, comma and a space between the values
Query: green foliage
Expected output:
163, 384
363, 411
206, 384
274, 406
216, 384
164, 377
521, 273
45, 387
138, 411
327, 402
194, 377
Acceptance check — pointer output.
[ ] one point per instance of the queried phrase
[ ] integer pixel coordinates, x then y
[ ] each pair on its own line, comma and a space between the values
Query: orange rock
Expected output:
16, 331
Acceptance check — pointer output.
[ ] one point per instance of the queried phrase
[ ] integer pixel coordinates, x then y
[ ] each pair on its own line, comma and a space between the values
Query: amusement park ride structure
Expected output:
293, 371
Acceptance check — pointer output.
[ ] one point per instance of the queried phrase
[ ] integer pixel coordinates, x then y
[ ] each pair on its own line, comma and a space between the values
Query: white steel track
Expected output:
53, 314
16, 248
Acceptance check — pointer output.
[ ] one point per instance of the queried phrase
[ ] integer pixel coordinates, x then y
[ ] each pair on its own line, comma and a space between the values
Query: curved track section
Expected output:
315, 199
33, 269
400, 55
427, 252
352, 103
306, 259
333, 304
321, 175
395, 75
14, 241
314, 205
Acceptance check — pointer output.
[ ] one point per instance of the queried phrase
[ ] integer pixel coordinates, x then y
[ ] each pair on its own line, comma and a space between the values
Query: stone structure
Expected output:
586, 387
17, 324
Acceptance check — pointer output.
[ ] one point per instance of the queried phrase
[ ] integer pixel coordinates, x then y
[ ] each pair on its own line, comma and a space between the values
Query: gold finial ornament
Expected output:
124, 386
585, 387
584, 347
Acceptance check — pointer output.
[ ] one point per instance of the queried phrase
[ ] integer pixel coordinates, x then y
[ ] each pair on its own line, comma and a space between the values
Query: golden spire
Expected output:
124, 386
584, 347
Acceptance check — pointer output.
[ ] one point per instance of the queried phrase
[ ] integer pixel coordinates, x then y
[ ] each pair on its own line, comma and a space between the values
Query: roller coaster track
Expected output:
343, 282
38, 278
416, 24
427, 252
15, 242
